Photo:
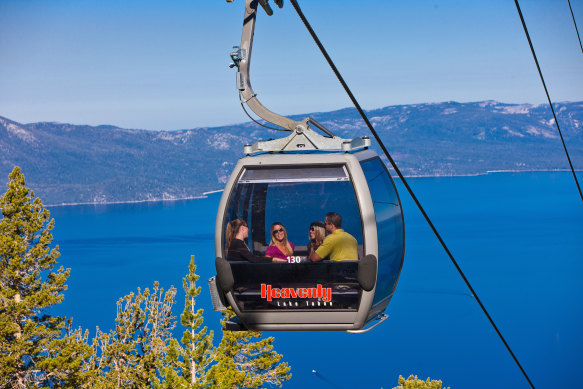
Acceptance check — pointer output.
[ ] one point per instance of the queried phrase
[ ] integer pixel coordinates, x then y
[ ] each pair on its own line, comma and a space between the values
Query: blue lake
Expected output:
517, 236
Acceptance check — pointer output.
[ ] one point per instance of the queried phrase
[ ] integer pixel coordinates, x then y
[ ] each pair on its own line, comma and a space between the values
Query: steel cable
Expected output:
575, 23
548, 97
394, 165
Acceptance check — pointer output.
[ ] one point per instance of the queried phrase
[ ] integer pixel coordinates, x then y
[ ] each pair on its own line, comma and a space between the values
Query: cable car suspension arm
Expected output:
381, 144
241, 56
302, 137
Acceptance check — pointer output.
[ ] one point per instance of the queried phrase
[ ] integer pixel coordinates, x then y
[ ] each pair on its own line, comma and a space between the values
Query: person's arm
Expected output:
321, 252
249, 256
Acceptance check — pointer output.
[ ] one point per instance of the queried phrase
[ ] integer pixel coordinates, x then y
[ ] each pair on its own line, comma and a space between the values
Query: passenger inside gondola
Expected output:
293, 196
279, 247
317, 233
237, 249
338, 245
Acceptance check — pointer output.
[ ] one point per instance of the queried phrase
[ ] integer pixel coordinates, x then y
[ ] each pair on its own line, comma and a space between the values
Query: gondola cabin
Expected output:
295, 190
287, 187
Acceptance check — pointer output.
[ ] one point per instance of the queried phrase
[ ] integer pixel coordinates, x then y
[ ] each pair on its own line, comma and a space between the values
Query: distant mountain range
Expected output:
67, 163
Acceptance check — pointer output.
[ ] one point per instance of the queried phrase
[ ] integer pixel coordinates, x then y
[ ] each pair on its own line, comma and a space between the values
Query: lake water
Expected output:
517, 236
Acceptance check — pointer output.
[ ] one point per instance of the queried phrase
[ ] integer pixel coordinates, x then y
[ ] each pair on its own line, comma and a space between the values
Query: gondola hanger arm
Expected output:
303, 137
241, 56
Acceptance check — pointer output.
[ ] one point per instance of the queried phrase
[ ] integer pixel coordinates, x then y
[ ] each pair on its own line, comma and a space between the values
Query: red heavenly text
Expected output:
268, 292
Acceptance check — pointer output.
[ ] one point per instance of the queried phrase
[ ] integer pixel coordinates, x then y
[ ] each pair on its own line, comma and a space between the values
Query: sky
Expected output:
164, 65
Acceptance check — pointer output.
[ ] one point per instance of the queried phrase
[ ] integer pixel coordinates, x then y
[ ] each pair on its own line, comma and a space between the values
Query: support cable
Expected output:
394, 165
575, 23
548, 97
255, 121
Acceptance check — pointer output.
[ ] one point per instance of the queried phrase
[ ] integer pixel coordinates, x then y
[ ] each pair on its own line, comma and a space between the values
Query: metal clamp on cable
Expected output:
237, 55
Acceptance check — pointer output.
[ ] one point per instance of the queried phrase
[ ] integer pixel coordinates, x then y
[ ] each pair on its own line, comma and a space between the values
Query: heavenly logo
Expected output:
269, 293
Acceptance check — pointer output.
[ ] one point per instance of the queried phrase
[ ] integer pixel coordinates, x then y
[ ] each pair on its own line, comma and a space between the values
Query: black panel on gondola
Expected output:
301, 286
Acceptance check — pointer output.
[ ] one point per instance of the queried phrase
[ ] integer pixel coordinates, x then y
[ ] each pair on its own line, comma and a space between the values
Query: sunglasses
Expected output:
278, 231
312, 228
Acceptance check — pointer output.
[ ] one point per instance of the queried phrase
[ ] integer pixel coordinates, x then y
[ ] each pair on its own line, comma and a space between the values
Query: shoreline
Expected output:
205, 194
483, 174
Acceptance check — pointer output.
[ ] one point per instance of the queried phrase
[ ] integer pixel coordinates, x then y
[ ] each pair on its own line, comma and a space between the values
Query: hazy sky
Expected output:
163, 65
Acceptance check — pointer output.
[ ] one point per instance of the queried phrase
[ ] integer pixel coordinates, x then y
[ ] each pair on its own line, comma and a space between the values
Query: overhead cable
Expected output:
575, 23
256, 122
394, 165
548, 97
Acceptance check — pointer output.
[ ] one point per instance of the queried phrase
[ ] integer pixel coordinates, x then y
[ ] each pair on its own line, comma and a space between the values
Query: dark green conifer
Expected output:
36, 349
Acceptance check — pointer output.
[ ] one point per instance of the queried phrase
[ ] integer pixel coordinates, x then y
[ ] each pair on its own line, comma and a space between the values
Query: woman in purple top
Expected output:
279, 247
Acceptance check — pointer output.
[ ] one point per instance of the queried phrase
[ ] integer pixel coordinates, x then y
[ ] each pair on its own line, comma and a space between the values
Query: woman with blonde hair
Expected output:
237, 249
317, 233
279, 247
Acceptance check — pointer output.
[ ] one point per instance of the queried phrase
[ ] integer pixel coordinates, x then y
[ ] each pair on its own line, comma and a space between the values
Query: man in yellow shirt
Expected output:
338, 245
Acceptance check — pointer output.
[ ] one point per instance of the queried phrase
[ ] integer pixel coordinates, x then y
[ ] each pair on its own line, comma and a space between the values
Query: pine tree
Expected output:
191, 360
140, 351
242, 362
134, 353
238, 361
415, 383
41, 350
36, 349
